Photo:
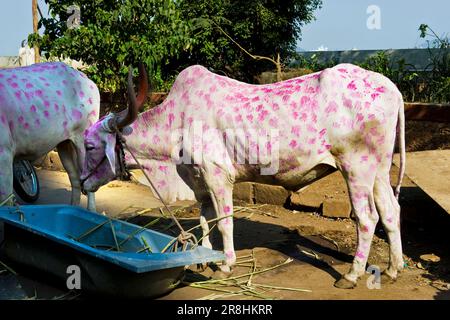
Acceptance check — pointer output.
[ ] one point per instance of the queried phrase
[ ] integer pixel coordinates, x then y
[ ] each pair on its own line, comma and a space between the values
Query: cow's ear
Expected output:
126, 131
110, 151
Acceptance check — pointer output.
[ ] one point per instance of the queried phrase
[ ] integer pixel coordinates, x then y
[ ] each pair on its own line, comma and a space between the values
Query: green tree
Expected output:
262, 27
114, 34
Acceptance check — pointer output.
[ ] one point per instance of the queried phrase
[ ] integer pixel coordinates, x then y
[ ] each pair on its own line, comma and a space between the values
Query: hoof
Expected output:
219, 274
343, 283
226, 269
201, 267
386, 278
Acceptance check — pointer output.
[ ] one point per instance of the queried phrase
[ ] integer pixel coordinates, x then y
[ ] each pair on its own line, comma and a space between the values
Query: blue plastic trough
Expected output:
115, 257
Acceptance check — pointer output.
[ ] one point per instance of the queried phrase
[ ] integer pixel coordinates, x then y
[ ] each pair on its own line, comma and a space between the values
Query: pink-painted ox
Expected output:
44, 106
343, 117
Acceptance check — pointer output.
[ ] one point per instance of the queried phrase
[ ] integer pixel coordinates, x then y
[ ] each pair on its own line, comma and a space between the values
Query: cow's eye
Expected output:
89, 148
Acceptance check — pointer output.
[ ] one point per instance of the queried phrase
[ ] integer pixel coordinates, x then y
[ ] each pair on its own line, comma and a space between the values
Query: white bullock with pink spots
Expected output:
288, 133
42, 107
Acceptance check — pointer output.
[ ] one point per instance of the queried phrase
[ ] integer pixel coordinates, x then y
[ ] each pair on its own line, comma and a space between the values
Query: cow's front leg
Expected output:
6, 175
78, 157
68, 156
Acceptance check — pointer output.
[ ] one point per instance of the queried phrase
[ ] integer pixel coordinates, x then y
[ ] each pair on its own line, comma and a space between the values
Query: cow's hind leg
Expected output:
214, 190
192, 177
389, 211
360, 185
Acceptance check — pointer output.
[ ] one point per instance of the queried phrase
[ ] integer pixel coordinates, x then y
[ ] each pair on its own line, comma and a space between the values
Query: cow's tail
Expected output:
401, 146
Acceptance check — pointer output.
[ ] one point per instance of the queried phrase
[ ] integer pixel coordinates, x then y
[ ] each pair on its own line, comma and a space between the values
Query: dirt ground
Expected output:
321, 250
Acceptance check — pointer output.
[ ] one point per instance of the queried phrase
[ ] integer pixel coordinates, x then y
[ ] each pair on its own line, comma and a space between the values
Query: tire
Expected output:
25, 181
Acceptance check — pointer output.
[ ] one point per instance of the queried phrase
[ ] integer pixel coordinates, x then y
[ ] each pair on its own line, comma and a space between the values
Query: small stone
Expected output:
244, 191
336, 209
430, 258
269, 194
307, 199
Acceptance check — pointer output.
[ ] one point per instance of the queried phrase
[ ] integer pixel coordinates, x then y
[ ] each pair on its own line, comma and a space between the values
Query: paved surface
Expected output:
430, 170
112, 199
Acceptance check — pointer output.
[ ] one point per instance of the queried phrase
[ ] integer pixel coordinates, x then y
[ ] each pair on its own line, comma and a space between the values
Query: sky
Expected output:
339, 25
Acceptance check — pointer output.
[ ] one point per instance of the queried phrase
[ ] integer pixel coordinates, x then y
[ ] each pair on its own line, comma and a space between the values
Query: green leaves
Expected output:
114, 34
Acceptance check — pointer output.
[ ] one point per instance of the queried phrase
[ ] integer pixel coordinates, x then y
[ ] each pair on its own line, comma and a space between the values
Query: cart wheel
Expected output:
25, 181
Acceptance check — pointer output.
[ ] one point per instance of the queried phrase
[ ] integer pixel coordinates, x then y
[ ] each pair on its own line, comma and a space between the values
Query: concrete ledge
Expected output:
50, 161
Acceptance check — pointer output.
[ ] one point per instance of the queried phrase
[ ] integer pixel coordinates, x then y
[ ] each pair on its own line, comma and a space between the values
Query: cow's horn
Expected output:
130, 114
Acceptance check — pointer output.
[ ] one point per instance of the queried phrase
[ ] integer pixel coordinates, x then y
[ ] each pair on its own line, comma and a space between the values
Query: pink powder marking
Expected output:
311, 128
360, 255
81, 94
56, 107
273, 122
29, 86
58, 92
77, 114
380, 89
37, 122
351, 85
304, 116
263, 115
226, 209
156, 139
217, 171
46, 114
249, 117
163, 169
18, 95
359, 117
229, 254
293, 144
162, 183
21, 119
26, 125
311, 141
14, 85
90, 101
332, 107
374, 96
347, 102
322, 132
296, 130
46, 104
171, 118
365, 229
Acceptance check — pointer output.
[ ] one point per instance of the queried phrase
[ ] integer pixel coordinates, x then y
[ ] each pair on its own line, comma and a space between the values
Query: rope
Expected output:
184, 236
